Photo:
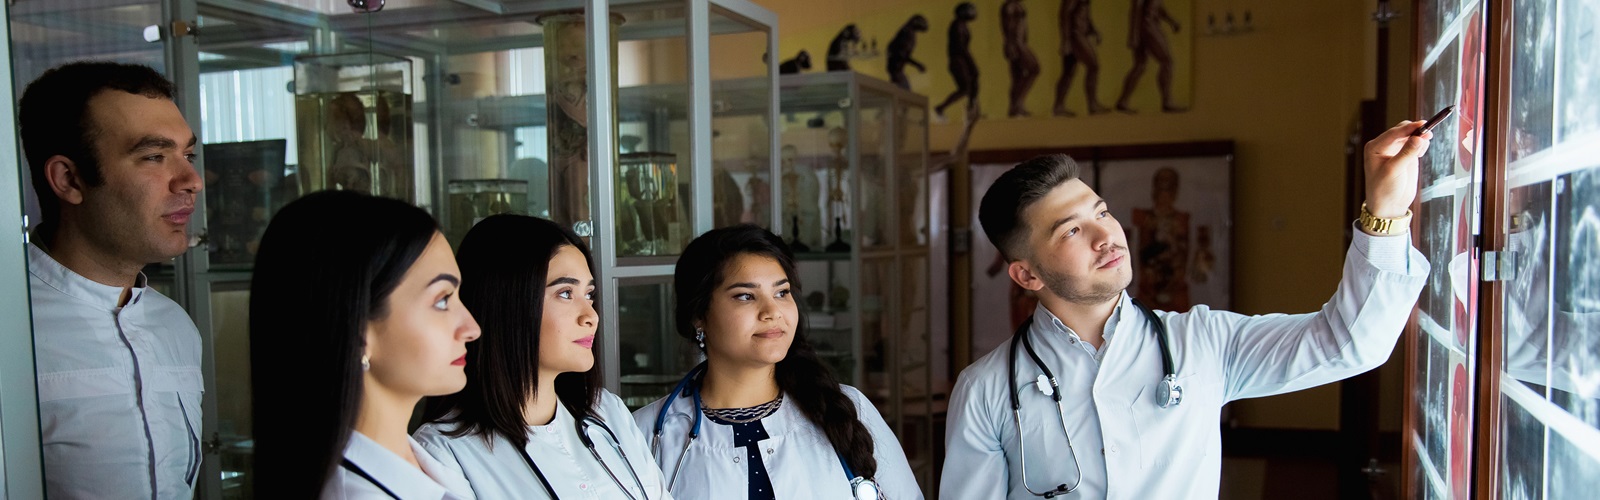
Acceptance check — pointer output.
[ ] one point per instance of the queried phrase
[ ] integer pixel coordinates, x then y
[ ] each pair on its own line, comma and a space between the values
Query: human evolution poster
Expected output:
1017, 59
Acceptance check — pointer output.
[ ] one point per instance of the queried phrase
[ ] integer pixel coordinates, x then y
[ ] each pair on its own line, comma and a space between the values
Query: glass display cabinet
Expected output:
19, 403
854, 200
468, 108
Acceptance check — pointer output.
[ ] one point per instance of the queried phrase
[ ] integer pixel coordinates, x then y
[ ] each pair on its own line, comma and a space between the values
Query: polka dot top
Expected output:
749, 435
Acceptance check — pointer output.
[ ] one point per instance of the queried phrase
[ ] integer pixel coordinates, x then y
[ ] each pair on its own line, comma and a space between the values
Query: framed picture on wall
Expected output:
1178, 215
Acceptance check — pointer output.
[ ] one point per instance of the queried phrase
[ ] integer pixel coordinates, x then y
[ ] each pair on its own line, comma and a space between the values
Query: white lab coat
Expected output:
1127, 446
119, 387
433, 482
498, 471
802, 463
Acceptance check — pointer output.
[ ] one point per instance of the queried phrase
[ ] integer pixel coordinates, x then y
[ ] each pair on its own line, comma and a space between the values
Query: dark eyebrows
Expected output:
445, 277
152, 142
564, 280
1097, 204
775, 284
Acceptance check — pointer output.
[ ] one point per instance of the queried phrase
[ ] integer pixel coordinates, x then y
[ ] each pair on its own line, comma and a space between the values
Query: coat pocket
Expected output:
1189, 425
189, 404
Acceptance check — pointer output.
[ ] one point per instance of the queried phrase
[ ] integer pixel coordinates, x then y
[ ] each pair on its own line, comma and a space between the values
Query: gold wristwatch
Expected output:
1383, 226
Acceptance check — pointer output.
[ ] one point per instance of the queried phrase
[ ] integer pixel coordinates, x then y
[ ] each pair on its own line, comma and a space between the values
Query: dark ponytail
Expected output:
810, 385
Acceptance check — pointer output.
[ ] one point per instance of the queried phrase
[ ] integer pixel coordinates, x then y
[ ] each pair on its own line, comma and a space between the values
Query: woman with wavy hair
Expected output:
763, 414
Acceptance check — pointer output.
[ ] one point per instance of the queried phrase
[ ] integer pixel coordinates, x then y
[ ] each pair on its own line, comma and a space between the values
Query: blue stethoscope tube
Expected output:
858, 485
661, 418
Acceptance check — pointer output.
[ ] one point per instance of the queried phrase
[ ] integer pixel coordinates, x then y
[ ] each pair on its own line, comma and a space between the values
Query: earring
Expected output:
700, 336
366, 362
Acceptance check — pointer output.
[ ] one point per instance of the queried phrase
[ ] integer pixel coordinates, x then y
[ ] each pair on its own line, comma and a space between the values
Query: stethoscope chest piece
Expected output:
1044, 385
1168, 392
864, 489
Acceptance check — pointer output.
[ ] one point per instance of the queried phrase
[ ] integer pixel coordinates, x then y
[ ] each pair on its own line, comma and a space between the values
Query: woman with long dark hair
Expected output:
533, 421
353, 320
763, 418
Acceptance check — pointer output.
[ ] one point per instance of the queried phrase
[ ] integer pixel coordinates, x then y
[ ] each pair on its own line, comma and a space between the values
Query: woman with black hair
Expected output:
353, 320
763, 414
533, 421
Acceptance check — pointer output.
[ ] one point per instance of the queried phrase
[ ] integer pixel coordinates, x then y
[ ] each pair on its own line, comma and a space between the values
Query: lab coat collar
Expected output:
433, 481
104, 297
562, 423
1046, 322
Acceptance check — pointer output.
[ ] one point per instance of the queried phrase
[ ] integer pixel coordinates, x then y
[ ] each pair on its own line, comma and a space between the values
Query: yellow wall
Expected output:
1287, 94
880, 20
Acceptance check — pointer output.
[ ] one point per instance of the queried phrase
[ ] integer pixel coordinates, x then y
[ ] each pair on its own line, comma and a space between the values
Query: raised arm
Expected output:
1357, 328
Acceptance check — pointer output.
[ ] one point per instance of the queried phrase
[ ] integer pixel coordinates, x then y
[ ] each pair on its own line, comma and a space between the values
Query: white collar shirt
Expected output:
798, 456
433, 481
120, 388
1128, 447
497, 471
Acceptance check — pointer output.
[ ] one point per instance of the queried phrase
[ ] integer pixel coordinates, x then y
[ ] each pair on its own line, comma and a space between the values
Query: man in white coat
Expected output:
112, 161
1110, 424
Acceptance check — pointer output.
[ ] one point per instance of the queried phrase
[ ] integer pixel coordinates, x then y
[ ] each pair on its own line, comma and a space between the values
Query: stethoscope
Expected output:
583, 435
357, 470
1168, 394
860, 487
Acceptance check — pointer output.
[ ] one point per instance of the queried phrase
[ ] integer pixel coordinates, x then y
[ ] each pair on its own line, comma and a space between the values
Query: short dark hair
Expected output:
1001, 210
801, 375
326, 267
54, 118
505, 263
